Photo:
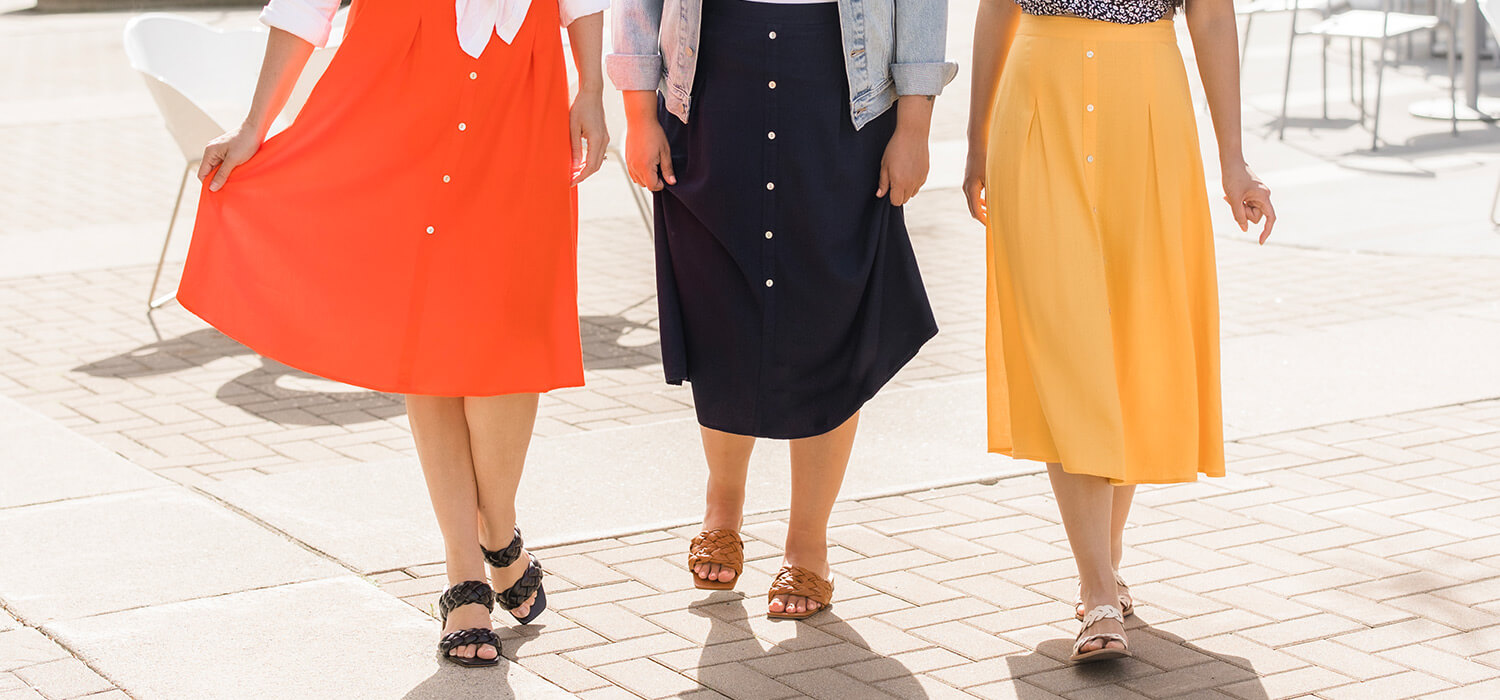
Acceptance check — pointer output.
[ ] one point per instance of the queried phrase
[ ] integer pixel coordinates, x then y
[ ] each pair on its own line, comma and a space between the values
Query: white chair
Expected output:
203, 79
1364, 25
1249, 10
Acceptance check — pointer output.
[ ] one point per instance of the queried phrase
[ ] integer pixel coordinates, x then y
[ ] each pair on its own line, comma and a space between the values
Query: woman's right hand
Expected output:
975, 182
648, 156
227, 153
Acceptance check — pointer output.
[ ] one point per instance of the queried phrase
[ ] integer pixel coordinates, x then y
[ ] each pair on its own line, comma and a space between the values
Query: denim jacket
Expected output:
891, 48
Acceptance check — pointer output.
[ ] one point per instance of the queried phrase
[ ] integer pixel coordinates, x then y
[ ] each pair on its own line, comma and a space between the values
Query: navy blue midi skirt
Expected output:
789, 293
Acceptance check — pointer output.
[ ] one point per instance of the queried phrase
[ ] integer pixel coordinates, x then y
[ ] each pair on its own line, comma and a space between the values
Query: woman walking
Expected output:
785, 140
1103, 302
415, 231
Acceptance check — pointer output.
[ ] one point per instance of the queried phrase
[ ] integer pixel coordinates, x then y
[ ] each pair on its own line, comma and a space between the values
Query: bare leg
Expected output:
499, 433
442, 437
1086, 505
728, 467
818, 465
1119, 513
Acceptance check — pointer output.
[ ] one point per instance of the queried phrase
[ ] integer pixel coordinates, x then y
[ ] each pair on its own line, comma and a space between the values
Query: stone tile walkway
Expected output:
1358, 560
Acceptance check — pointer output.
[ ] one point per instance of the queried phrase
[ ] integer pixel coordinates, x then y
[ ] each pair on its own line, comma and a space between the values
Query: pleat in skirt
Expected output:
1103, 328
789, 293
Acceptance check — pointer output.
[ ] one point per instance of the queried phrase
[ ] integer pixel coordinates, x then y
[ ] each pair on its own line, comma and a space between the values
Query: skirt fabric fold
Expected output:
1103, 302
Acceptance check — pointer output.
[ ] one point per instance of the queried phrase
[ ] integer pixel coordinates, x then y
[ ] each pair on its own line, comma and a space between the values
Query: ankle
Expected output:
813, 558
724, 514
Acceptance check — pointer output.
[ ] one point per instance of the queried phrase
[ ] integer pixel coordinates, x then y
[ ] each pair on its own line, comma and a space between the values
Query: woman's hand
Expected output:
1249, 198
903, 170
976, 174
586, 125
226, 153
648, 156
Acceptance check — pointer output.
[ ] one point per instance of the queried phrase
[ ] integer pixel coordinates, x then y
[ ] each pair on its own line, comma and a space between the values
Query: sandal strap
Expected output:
1102, 612
795, 580
1107, 637
463, 638
529, 583
466, 593
501, 558
722, 547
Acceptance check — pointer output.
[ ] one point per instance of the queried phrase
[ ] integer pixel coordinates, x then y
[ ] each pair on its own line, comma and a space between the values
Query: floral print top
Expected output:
1117, 11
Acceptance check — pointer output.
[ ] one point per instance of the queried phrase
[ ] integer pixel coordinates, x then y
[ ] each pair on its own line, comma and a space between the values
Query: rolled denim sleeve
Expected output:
572, 10
310, 20
921, 66
636, 62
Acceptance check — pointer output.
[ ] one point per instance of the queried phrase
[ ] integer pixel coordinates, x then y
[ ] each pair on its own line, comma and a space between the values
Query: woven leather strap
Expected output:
466, 593
512, 598
795, 580
501, 558
722, 547
1100, 613
463, 638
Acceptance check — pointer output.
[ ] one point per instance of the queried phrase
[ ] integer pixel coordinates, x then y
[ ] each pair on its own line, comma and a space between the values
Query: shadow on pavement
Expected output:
451, 682
1163, 665
731, 646
280, 394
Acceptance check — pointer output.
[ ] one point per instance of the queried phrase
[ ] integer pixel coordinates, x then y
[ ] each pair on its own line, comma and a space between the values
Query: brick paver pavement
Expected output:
1357, 560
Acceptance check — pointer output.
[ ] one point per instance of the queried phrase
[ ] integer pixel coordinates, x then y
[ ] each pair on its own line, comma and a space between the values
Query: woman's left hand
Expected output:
586, 124
1249, 198
903, 170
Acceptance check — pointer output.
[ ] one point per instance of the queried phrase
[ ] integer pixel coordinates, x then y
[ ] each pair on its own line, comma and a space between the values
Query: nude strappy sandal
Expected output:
795, 580
1127, 602
1103, 653
722, 547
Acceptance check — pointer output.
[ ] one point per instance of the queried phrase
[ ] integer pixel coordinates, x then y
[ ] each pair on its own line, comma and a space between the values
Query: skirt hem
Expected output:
384, 387
1212, 474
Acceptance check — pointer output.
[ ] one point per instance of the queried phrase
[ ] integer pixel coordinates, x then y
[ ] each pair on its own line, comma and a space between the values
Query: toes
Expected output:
778, 605
726, 575
464, 652
702, 571
487, 652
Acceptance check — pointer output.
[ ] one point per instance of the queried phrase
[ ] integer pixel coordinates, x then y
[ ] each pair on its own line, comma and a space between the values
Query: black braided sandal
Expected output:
457, 596
529, 583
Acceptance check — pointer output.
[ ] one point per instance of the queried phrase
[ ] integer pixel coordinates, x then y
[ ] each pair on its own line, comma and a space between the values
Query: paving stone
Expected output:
24, 647
64, 678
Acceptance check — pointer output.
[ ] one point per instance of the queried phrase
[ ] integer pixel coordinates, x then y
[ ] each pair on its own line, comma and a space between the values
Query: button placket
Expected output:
771, 163
451, 152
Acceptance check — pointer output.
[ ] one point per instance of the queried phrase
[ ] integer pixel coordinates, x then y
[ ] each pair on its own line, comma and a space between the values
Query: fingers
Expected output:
1238, 205
212, 157
577, 146
221, 175
974, 193
666, 164
598, 147
1270, 212
885, 181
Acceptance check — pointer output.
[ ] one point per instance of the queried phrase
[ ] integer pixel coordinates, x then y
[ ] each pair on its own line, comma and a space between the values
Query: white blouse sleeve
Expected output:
312, 20
571, 10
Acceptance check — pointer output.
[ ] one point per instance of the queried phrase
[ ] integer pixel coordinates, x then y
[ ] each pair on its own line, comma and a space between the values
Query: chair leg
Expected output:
1245, 50
1352, 100
1325, 78
1495, 206
1453, 79
1379, 88
152, 302
1286, 86
1364, 108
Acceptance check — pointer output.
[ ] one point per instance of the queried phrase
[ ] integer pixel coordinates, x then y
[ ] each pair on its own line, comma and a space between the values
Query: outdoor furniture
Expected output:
203, 79
1363, 26
1249, 10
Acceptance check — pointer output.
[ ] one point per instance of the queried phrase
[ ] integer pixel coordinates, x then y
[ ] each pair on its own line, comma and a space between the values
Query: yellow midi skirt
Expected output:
1103, 331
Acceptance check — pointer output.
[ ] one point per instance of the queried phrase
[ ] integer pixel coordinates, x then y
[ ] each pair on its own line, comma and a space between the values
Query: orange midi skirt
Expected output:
1103, 342
415, 230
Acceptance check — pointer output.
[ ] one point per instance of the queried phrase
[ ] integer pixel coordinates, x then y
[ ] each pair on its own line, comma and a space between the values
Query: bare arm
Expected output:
286, 55
1215, 42
994, 31
586, 120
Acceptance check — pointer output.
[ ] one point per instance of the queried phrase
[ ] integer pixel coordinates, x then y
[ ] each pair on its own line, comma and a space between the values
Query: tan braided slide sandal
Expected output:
795, 580
722, 547
1104, 652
